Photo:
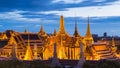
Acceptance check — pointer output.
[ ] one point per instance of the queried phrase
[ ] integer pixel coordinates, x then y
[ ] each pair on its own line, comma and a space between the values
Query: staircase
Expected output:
105, 54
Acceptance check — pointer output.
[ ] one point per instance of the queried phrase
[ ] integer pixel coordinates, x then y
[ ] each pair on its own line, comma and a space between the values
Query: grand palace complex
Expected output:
29, 46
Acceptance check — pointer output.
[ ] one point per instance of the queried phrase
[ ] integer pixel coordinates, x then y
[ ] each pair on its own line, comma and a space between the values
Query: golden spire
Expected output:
4, 36
62, 28
42, 32
113, 42
88, 33
76, 33
11, 41
28, 55
41, 29
54, 32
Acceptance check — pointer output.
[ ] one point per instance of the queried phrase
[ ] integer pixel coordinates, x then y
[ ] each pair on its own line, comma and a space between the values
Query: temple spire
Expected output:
26, 30
76, 33
76, 29
42, 32
88, 37
61, 28
41, 29
113, 42
55, 33
28, 55
88, 33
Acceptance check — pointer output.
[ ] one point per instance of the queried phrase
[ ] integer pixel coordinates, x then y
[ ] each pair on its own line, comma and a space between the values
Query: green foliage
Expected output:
102, 64
88, 65
22, 64
108, 64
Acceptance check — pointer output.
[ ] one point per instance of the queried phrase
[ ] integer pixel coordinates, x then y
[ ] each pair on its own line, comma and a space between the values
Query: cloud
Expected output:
112, 9
17, 15
99, 0
20, 16
98, 18
67, 1
74, 1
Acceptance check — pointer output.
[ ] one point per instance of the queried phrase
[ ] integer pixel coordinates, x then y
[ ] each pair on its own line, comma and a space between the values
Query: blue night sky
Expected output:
19, 14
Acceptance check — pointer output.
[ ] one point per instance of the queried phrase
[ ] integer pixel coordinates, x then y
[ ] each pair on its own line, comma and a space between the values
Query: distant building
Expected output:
95, 37
105, 34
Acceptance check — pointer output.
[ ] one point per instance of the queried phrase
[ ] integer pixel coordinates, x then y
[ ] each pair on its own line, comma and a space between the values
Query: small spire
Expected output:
76, 29
42, 32
113, 42
4, 36
88, 33
28, 55
41, 29
11, 41
26, 30
76, 33
55, 33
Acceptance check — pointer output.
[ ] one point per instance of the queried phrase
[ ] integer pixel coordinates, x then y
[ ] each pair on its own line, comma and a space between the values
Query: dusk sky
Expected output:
20, 14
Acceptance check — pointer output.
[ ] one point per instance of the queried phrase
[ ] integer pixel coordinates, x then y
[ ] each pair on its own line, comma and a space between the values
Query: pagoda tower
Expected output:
76, 33
42, 32
41, 29
88, 33
29, 54
88, 37
55, 33
62, 27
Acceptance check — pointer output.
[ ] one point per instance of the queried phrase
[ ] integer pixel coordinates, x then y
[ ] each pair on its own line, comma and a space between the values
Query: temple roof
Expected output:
32, 36
22, 38
3, 43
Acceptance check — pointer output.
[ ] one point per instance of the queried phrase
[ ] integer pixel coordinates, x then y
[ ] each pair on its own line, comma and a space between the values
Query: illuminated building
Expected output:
41, 45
